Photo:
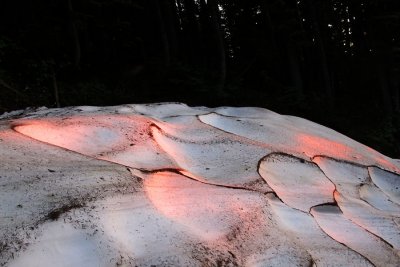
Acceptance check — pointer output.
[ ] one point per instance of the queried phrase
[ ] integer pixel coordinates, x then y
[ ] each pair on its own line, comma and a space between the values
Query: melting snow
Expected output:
171, 185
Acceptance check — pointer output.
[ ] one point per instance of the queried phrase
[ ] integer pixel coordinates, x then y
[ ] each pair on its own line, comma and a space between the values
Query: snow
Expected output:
388, 182
166, 184
299, 184
305, 231
370, 219
61, 244
332, 221
299, 137
168, 110
346, 176
218, 160
354, 191
376, 198
123, 139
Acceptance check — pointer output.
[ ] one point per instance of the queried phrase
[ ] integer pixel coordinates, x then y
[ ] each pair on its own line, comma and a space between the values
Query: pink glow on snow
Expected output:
171, 148
384, 161
77, 137
208, 211
314, 145
88, 135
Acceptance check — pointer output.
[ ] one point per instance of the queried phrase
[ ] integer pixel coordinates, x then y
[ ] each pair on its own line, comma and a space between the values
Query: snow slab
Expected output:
350, 179
61, 245
376, 198
332, 221
305, 231
207, 154
166, 184
122, 139
299, 137
388, 182
300, 184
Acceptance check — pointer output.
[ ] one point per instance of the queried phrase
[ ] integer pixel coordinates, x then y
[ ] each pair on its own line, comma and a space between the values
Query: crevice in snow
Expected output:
354, 163
288, 175
366, 182
134, 172
334, 204
241, 137
368, 167
212, 157
390, 188
342, 243
364, 227
349, 201
376, 200
332, 221
310, 236
276, 196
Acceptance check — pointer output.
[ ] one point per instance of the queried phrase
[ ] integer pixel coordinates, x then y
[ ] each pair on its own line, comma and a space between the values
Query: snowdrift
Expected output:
171, 185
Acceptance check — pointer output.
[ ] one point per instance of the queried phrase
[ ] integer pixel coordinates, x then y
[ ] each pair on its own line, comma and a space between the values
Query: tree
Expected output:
219, 45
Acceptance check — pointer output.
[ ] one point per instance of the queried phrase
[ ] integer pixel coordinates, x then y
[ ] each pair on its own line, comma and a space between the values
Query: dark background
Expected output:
335, 62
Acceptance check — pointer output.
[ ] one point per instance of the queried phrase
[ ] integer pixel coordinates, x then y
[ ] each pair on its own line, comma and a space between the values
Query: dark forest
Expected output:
336, 62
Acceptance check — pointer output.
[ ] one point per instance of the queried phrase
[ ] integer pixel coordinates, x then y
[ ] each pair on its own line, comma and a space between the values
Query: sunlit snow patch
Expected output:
122, 139
299, 184
332, 221
171, 185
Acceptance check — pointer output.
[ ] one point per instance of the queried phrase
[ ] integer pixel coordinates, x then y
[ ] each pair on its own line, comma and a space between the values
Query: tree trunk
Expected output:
295, 69
191, 31
385, 89
74, 34
269, 28
163, 33
168, 11
55, 86
327, 84
219, 45
396, 90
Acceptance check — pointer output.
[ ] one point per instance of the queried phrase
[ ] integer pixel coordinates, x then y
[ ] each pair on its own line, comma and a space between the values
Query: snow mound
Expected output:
171, 185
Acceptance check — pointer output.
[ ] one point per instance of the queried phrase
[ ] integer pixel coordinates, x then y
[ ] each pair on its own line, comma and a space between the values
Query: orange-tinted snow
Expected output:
313, 145
210, 212
76, 136
117, 138
207, 207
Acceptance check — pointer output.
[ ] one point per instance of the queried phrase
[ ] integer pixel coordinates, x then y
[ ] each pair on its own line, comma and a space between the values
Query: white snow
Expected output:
376, 198
61, 245
299, 137
305, 231
117, 138
299, 184
216, 160
387, 182
170, 185
352, 182
344, 231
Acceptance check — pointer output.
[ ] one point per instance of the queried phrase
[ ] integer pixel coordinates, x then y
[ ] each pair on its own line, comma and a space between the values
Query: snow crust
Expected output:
171, 185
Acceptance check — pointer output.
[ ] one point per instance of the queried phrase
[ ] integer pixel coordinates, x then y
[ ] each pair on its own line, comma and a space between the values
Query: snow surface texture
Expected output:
170, 185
